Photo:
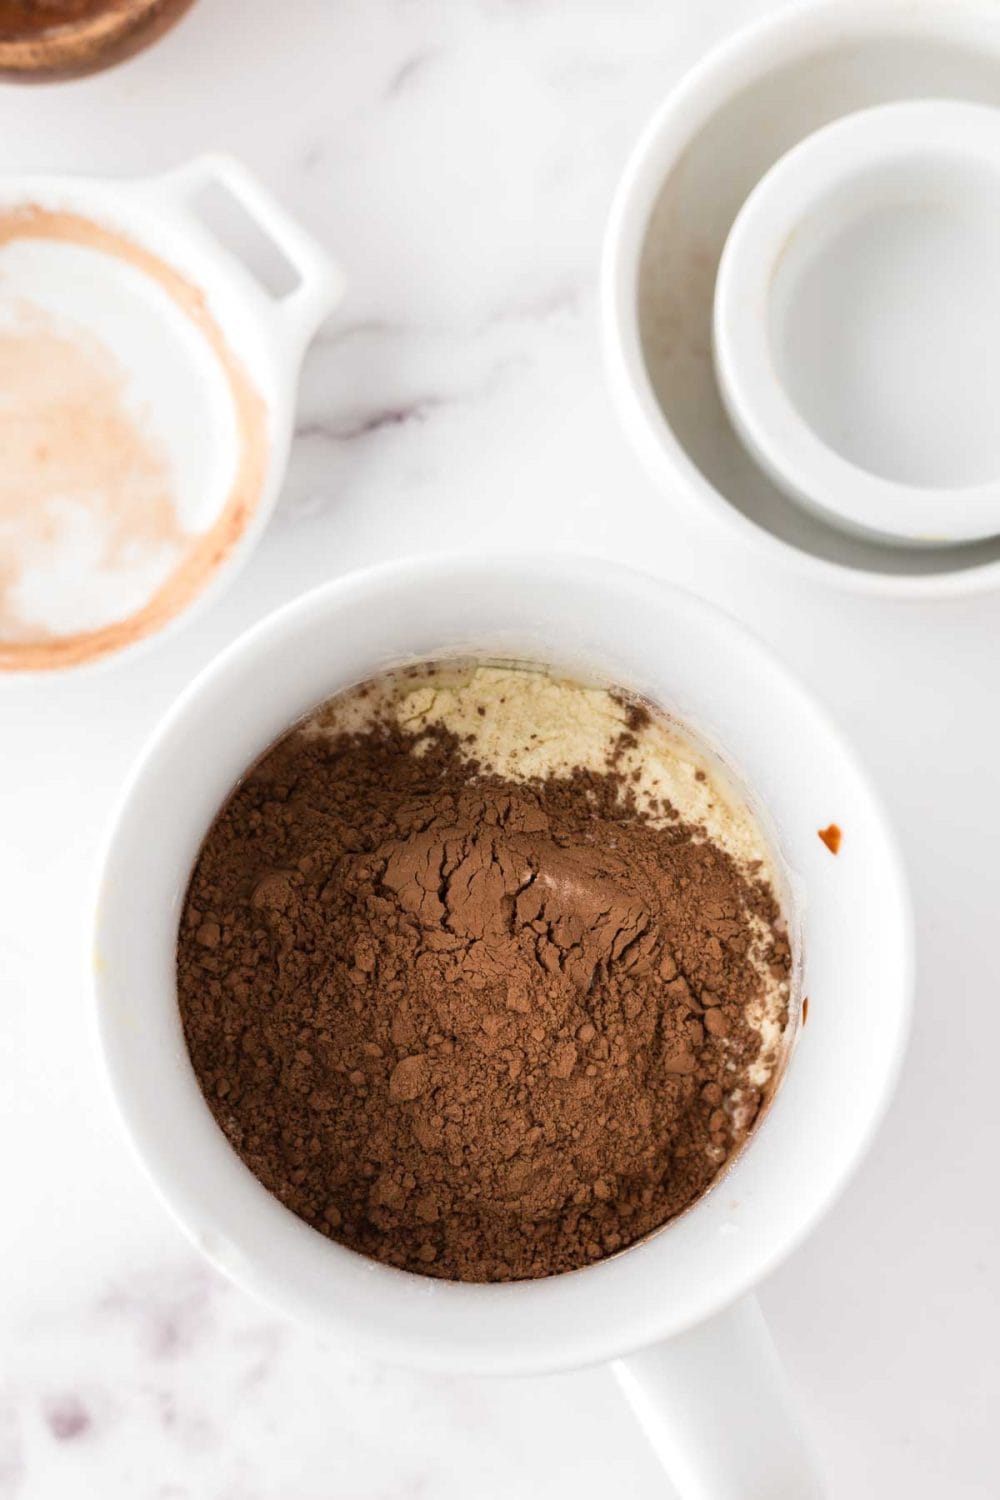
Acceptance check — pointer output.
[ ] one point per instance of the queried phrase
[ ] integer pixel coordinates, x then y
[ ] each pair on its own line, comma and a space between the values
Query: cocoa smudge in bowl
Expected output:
48, 40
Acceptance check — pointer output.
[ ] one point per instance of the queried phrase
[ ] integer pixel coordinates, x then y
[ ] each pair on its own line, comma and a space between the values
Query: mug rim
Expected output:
598, 1312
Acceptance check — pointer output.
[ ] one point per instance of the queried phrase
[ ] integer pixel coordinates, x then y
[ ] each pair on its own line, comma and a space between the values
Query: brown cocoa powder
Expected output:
472, 1027
25, 16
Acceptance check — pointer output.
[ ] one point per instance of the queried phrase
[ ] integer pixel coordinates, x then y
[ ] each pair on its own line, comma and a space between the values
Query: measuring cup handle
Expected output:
298, 314
715, 1404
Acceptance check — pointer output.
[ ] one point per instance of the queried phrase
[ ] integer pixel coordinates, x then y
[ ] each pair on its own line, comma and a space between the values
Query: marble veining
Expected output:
459, 158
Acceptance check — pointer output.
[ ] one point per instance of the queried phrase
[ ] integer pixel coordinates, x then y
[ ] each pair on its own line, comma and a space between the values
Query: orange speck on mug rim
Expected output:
831, 837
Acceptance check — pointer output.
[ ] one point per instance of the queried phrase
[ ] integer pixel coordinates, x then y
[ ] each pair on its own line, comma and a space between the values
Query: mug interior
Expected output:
593, 621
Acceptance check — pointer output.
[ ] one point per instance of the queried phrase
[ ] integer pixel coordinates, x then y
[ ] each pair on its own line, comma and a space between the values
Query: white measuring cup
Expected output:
129, 275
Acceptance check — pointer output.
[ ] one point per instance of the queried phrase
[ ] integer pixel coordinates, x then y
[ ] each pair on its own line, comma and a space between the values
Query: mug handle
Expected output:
297, 315
716, 1406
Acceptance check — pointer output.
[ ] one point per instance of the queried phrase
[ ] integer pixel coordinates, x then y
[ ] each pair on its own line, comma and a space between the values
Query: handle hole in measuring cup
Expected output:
220, 211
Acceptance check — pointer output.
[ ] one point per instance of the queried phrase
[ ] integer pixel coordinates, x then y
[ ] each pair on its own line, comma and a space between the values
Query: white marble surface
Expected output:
459, 156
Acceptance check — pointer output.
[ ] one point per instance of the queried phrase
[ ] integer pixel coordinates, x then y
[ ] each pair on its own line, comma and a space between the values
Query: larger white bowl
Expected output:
705, 149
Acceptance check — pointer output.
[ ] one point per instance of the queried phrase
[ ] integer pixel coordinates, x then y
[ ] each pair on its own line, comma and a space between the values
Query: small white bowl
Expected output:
857, 322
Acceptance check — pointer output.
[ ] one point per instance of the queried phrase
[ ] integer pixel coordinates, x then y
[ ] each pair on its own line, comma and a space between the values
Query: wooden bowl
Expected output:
51, 39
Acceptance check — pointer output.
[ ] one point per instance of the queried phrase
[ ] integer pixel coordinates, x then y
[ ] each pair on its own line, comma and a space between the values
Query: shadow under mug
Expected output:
672, 1312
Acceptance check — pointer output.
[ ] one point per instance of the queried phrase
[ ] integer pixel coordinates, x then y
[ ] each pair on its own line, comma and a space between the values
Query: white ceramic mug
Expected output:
672, 1311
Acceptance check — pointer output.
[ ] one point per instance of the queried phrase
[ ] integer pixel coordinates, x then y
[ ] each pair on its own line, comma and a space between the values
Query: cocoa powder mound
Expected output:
476, 1028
